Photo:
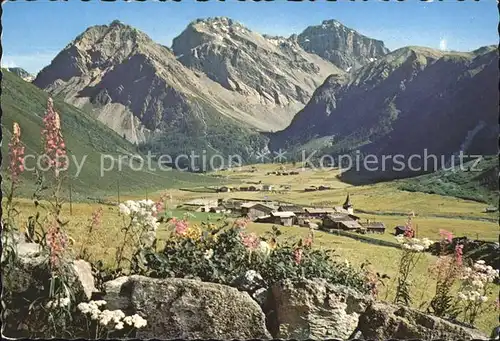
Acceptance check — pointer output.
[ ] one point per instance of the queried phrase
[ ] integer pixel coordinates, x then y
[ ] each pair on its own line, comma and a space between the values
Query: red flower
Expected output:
409, 230
16, 154
159, 205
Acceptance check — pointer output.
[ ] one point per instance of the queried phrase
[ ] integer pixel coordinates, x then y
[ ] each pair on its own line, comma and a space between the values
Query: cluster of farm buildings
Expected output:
286, 214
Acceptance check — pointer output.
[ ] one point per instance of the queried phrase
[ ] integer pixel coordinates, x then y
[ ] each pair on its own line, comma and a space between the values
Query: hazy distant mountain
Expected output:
25, 75
411, 99
341, 45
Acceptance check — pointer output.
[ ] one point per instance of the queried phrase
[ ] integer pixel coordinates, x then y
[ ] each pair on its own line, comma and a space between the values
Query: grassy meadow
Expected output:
433, 212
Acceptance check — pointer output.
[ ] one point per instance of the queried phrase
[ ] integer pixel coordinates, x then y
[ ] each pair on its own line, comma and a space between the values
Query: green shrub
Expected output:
221, 253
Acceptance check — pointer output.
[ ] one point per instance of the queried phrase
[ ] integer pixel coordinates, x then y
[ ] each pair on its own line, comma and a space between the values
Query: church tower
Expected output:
348, 205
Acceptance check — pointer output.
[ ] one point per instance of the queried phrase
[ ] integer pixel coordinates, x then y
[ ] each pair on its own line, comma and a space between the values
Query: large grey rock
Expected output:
386, 321
32, 274
314, 309
83, 276
188, 309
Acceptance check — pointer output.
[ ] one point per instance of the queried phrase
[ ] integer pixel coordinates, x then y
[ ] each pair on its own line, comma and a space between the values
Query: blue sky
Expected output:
34, 32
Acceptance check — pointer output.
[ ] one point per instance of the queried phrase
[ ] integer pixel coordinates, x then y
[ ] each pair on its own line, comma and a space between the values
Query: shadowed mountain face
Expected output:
410, 100
341, 45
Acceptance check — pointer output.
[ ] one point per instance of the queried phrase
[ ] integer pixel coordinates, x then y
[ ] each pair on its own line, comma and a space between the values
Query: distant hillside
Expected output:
410, 100
25, 75
480, 185
25, 103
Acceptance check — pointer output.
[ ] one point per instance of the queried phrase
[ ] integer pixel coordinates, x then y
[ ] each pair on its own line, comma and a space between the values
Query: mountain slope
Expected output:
25, 75
410, 100
341, 45
275, 71
477, 182
85, 137
140, 90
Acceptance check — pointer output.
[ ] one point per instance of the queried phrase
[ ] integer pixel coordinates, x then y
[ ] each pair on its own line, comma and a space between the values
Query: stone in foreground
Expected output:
314, 309
385, 321
178, 308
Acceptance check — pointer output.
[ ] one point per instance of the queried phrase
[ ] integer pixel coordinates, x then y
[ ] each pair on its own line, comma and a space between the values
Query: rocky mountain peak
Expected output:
274, 70
341, 45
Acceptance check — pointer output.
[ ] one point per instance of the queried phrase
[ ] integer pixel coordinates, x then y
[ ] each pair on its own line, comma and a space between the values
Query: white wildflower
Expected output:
148, 238
478, 283
418, 248
138, 321
264, 248
119, 326
128, 320
462, 296
124, 209
84, 308
208, 254
64, 302
117, 316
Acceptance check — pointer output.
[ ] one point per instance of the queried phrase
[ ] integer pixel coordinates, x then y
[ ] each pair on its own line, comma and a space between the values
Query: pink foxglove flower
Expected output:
458, 254
181, 226
96, 219
446, 235
309, 240
56, 242
409, 231
54, 146
16, 154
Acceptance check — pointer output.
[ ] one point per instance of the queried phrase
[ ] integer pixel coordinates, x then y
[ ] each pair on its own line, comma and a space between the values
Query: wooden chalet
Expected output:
318, 212
341, 222
298, 210
258, 210
278, 218
374, 227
